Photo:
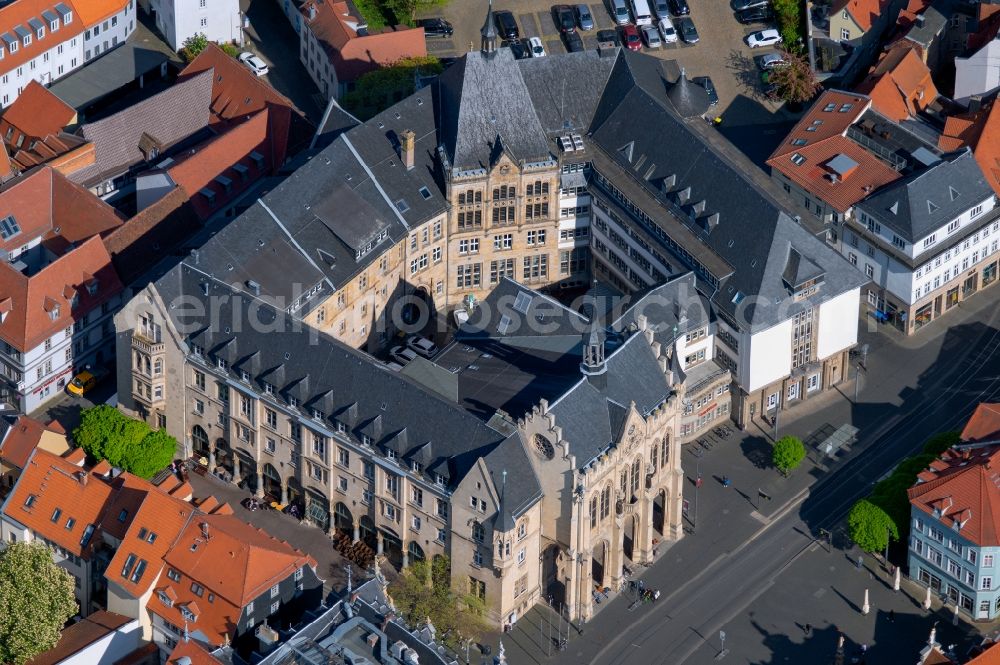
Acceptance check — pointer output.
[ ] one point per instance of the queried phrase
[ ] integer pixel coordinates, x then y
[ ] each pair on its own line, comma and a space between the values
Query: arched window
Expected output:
654, 455
593, 511
665, 452
623, 481
636, 474
606, 501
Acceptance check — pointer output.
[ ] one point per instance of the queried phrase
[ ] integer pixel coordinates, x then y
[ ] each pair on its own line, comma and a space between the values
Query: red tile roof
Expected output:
236, 92
233, 561
819, 137
981, 132
900, 83
990, 656
984, 425
35, 113
960, 490
58, 484
80, 635
864, 12
194, 652
94, 11
199, 169
21, 439
352, 55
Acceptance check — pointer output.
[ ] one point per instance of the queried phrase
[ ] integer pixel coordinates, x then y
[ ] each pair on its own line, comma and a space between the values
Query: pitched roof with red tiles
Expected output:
900, 84
194, 652
19, 13
36, 112
981, 132
57, 500
34, 308
158, 521
21, 439
233, 561
221, 155
984, 425
95, 11
990, 655
818, 138
351, 54
864, 12
959, 489
236, 92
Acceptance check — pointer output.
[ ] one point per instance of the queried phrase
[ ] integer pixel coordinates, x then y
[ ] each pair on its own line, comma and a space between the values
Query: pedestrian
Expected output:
861, 562
697, 481
642, 585
656, 594
892, 616
807, 629
725, 481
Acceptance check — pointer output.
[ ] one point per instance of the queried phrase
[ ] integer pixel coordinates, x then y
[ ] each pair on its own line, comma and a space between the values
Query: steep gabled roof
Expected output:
864, 12
37, 112
980, 131
22, 436
900, 84
984, 425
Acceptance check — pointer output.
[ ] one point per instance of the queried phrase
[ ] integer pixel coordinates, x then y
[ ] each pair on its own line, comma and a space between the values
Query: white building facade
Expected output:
218, 20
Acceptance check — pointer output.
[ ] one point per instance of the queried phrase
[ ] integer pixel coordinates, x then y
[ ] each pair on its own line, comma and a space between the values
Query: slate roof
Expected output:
169, 117
727, 183
671, 309
340, 382
917, 205
485, 98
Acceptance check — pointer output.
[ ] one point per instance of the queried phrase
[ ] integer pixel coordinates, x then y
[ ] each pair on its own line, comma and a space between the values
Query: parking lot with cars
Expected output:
710, 39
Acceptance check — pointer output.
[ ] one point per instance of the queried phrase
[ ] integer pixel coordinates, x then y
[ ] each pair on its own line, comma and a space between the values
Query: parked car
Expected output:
739, 5
435, 27
685, 26
768, 37
574, 42
769, 61
759, 14
661, 8
253, 63
680, 7
422, 346
630, 38
402, 355
83, 382
535, 47
667, 31
564, 19
651, 36
506, 25
619, 11
706, 82
584, 18
518, 48
607, 39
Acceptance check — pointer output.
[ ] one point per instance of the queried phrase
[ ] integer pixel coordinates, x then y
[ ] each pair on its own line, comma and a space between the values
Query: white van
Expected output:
640, 10
620, 11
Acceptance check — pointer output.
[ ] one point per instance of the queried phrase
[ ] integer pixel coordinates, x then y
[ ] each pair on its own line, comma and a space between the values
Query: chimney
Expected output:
82, 477
975, 103
407, 148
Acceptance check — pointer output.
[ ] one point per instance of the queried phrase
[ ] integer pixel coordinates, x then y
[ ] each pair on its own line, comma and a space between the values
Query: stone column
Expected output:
260, 484
572, 583
284, 492
406, 556
211, 458
378, 539
357, 531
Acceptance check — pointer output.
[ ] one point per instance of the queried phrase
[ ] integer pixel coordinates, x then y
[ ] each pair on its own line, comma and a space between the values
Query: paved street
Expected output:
760, 563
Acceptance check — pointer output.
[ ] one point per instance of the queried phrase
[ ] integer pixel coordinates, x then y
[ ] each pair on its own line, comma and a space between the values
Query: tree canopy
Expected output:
105, 433
870, 527
423, 591
193, 46
788, 453
36, 600
795, 82
379, 89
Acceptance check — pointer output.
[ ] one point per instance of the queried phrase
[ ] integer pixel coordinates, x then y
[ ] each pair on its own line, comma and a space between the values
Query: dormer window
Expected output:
389, 453
188, 614
92, 287
244, 376
54, 313
221, 363
13, 47
268, 388
292, 402
27, 40
317, 414
165, 599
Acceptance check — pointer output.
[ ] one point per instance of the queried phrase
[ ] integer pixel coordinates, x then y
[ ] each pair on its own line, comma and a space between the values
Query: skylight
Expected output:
522, 302
9, 227
504, 324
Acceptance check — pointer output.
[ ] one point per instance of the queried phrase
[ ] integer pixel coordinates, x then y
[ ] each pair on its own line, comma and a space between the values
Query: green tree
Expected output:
787, 454
36, 600
105, 433
378, 90
229, 49
193, 46
870, 527
795, 82
404, 11
423, 591
789, 18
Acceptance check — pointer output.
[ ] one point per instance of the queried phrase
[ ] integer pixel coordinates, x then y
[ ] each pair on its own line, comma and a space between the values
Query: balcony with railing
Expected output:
144, 344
